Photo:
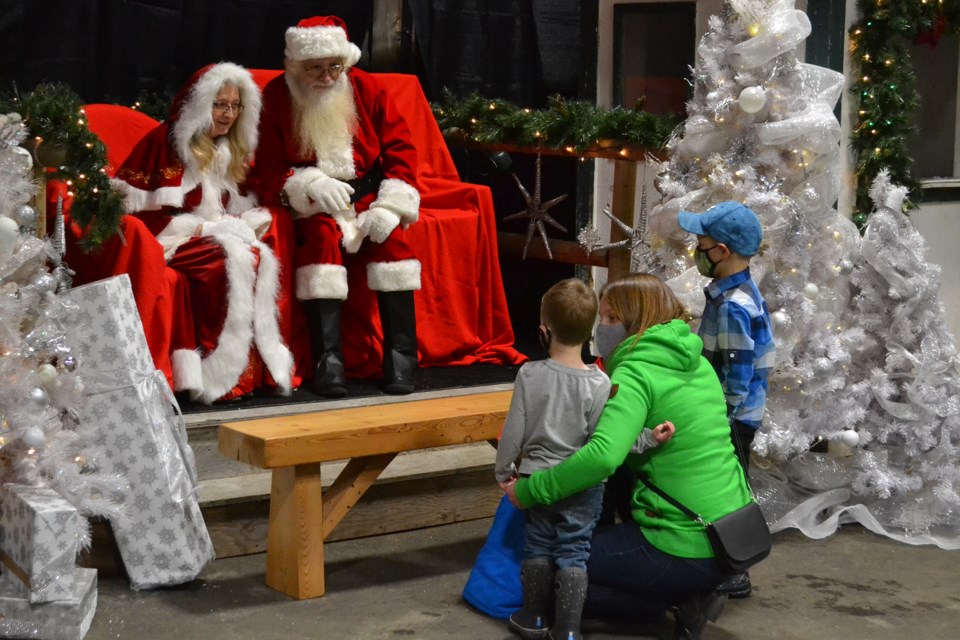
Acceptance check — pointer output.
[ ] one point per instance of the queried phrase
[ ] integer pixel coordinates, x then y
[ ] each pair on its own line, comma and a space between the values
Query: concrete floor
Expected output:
852, 585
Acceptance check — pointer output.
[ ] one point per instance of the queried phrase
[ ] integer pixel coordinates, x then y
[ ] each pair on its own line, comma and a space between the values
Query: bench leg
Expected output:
295, 534
352, 483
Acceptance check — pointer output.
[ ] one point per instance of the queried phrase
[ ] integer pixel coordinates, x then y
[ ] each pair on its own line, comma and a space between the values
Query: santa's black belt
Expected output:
369, 183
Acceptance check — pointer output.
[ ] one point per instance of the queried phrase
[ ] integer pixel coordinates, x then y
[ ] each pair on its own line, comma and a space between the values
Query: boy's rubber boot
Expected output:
570, 596
530, 622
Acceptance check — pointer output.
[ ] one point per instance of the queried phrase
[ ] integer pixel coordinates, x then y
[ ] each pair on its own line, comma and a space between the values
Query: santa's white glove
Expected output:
377, 223
330, 194
230, 226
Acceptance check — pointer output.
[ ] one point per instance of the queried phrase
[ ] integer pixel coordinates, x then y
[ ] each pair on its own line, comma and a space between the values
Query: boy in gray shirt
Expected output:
556, 405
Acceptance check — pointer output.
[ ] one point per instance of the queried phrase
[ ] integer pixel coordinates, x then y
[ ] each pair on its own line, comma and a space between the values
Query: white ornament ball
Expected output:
810, 291
713, 99
27, 216
781, 319
23, 159
752, 99
33, 437
47, 374
9, 232
850, 438
39, 397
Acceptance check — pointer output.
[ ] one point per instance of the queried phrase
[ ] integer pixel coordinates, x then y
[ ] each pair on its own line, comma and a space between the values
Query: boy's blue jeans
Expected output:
561, 531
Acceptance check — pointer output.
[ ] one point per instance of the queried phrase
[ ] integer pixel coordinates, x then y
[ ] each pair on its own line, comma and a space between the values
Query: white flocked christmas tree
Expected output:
866, 371
42, 440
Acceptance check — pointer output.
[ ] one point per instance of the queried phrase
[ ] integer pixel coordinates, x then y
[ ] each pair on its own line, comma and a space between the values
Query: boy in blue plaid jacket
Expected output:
735, 327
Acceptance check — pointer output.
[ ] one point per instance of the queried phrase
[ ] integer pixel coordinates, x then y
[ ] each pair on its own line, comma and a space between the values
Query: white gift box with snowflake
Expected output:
68, 618
163, 539
111, 335
39, 538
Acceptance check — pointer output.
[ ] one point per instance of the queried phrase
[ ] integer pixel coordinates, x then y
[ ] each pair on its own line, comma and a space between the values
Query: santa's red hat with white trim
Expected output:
321, 37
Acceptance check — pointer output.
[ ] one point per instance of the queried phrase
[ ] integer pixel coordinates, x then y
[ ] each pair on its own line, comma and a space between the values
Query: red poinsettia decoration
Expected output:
932, 37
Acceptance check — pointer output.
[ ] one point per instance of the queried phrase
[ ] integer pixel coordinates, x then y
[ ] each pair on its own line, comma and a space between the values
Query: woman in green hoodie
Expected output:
662, 559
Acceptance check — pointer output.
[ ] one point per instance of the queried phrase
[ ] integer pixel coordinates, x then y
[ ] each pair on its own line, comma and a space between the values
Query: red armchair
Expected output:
461, 309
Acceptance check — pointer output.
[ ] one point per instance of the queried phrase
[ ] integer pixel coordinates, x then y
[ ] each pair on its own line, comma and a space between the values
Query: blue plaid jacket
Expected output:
738, 342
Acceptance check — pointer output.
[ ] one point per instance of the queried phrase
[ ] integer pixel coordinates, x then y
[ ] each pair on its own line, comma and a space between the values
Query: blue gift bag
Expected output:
494, 583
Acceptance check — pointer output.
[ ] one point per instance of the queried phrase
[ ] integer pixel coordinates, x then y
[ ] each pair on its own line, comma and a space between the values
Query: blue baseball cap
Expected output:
731, 223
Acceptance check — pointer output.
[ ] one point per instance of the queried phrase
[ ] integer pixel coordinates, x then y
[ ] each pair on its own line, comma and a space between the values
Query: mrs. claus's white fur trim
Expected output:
322, 281
311, 43
402, 275
135, 199
401, 198
196, 113
266, 326
224, 365
187, 375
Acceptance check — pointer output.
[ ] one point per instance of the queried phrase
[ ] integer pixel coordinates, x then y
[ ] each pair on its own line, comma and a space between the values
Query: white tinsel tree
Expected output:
857, 373
42, 441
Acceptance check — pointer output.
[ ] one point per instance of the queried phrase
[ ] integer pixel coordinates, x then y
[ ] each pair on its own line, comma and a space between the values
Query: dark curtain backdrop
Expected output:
520, 50
115, 50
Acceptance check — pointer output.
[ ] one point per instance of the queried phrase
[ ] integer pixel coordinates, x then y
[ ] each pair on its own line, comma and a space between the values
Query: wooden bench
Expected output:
301, 516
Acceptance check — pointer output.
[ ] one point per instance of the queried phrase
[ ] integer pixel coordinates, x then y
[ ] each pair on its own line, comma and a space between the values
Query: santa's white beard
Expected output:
326, 120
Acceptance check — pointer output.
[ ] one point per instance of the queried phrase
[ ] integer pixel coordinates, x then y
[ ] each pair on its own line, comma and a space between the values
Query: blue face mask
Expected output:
608, 337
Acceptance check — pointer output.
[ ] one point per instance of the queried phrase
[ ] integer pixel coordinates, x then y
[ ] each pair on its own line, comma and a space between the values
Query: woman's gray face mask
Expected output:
608, 336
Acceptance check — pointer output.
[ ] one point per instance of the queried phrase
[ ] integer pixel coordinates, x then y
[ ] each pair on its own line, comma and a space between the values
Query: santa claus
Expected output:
185, 180
338, 154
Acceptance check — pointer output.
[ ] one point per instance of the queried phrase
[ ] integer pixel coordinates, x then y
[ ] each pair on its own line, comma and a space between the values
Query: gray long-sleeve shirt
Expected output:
552, 414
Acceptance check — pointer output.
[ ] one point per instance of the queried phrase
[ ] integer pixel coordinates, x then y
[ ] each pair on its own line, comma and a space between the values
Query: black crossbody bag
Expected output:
739, 539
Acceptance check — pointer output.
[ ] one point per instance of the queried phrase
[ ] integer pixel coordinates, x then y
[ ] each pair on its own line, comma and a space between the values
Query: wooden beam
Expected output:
365, 431
405, 504
386, 40
565, 251
295, 533
624, 195
349, 486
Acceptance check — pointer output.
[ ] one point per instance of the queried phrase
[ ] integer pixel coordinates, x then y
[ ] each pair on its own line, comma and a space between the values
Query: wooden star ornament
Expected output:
536, 212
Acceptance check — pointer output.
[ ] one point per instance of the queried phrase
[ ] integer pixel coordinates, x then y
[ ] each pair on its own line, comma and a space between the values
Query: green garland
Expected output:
885, 88
54, 114
563, 124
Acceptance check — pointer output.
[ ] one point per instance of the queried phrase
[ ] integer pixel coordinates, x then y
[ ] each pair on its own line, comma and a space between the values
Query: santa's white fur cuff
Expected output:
399, 197
326, 281
402, 275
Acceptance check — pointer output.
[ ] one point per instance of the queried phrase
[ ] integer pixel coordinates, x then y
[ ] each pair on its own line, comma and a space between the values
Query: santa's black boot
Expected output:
328, 376
570, 596
536, 576
399, 321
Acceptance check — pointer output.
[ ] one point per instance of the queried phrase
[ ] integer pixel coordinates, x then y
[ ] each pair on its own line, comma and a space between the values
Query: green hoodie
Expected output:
661, 377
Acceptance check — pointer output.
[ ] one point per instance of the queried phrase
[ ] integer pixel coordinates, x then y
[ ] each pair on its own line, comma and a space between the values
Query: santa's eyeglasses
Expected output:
223, 107
316, 70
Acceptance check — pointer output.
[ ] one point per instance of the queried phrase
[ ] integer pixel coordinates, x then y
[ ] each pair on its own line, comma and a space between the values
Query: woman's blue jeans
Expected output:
630, 579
